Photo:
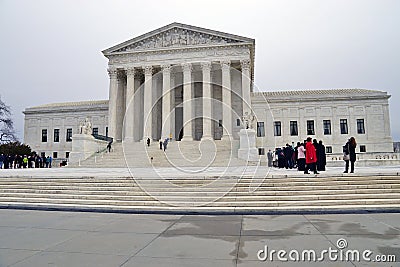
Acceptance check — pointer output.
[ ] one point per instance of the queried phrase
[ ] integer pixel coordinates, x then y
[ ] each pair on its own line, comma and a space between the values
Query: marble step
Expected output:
184, 194
202, 209
261, 203
189, 198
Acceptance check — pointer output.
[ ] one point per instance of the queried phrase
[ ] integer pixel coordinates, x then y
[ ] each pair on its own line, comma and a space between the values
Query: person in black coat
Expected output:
321, 156
351, 148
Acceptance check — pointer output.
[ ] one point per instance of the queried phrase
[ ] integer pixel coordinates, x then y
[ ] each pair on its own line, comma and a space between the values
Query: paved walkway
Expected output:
46, 238
255, 171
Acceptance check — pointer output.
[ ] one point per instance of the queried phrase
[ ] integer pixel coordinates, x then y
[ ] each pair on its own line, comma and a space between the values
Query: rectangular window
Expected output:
260, 129
327, 127
360, 126
277, 128
43, 154
343, 126
328, 149
261, 151
310, 128
293, 128
363, 148
67, 155
44, 135
55, 155
95, 131
237, 122
69, 135
56, 135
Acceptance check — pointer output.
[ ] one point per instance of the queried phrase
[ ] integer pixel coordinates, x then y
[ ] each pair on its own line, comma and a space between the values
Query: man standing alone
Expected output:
270, 157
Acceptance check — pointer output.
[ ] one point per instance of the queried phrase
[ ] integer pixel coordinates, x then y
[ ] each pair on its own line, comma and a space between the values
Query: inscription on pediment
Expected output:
176, 38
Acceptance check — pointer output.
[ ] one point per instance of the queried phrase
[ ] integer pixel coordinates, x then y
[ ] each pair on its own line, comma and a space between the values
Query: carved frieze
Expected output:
178, 55
177, 37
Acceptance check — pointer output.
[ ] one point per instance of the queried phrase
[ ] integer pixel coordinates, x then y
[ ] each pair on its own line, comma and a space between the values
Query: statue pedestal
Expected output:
247, 149
84, 146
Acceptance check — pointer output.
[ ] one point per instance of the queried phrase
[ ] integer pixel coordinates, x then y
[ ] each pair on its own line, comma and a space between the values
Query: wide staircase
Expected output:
200, 154
203, 193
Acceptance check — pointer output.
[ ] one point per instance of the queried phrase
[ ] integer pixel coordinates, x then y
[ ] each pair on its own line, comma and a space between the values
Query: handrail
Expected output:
103, 137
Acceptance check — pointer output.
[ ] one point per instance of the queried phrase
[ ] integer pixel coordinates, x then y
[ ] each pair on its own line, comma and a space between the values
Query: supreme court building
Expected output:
188, 84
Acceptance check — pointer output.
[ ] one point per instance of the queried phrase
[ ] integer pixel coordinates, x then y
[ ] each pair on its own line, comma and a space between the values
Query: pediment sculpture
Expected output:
177, 37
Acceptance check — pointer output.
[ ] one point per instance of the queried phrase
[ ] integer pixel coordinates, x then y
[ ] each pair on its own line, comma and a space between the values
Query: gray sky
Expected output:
50, 51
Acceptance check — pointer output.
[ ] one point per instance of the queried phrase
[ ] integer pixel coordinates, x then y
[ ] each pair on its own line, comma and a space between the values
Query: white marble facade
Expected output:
179, 82
188, 83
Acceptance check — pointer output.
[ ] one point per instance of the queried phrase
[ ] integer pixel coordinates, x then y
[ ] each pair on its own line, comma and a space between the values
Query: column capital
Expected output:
206, 66
112, 72
245, 64
120, 75
166, 68
225, 64
187, 67
148, 70
130, 71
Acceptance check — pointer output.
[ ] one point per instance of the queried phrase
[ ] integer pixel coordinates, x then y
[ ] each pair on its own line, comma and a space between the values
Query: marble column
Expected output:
226, 99
166, 102
187, 102
138, 108
148, 103
207, 101
121, 96
129, 104
246, 86
112, 109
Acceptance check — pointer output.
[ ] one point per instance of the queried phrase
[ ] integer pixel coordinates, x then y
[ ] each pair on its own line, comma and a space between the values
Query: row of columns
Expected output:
134, 116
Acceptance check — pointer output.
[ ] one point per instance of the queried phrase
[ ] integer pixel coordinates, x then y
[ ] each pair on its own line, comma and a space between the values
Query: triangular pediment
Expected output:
177, 35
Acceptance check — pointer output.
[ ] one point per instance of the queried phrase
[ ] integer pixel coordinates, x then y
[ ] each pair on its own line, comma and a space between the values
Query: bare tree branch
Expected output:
7, 132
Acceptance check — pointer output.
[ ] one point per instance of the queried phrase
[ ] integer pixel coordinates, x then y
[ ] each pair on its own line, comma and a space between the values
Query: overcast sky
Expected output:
50, 51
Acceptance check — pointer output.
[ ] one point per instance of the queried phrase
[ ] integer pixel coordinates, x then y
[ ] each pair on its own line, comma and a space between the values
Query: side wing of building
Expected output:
332, 116
49, 128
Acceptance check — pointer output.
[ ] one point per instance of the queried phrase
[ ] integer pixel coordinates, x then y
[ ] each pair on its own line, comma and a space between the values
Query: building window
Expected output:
327, 127
360, 126
69, 135
277, 128
95, 131
310, 128
56, 135
67, 155
293, 128
261, 151
260, 129
44, 135
363, 148
343, 126
328, 149
107, 131
237, 122
43, 154
55, 155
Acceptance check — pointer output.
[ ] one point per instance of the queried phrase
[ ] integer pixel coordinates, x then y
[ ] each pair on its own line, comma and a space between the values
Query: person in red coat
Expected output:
311, 157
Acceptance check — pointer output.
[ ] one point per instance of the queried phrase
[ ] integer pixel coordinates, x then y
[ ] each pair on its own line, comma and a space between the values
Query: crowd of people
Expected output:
306, 156
309, 156
24, 161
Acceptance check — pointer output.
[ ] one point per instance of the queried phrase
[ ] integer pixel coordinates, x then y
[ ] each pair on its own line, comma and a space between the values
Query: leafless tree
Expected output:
7, 132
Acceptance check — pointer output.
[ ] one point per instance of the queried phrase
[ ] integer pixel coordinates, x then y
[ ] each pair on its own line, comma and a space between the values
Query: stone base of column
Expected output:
207, 137
226, 138
248, 150
128, 140
187, 139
